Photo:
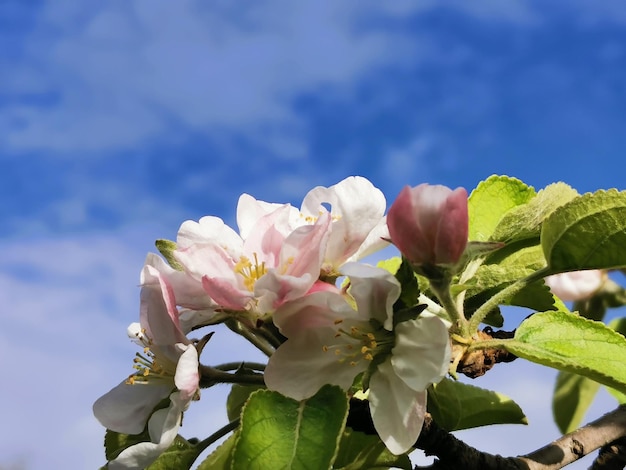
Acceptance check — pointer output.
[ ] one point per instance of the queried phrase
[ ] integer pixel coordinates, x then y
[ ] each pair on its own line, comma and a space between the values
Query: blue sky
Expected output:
119, 120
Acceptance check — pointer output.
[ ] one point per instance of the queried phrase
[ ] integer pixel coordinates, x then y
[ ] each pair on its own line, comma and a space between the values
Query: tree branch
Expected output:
607, 432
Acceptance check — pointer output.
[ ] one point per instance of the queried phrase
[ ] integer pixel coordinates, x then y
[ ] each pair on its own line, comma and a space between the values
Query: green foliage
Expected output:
115, 442
491, 200
281, 433
525, 221
573, 395
222, 457
571, 343
410, 288
492, 278
589, 232
167, 248
180, 455
237, 399
359, 451
456, 405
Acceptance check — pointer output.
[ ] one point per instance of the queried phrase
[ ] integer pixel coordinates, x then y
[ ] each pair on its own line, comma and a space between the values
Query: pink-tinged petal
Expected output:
266, 239
357, 207
317, 310
453, 228
421, 355
191, 319
163, 428
576, 285
303, 364
158, 314
374, 290
428, 203
274, 289
303, 250
188, 290
209, 259
429, 224
226, 293
397, 411
126, 408
404, 230
187, 377
208, 229
250, 210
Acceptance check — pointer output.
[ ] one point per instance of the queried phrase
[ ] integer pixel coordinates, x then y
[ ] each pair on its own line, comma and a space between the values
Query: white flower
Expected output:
358, 226
330, 342
576, 285
270, 265
168, 366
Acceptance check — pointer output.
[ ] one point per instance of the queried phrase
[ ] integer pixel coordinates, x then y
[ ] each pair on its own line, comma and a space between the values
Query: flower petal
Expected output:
421, 355
187, 377
357, 206
397, 411
303, 364
157, 311
126, 408
375, 290
163, 428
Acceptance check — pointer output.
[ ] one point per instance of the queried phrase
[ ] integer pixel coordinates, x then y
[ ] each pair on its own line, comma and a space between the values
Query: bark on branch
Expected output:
607, 432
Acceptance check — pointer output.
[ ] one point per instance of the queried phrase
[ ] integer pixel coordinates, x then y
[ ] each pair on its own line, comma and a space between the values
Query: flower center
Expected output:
250, 272
360, 343
148, 367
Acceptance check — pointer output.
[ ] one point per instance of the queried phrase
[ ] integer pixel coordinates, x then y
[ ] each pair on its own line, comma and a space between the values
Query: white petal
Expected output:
301, 366
163, 428
187, 377
397, 411
126, 408
421, 355
375, 290
357, 207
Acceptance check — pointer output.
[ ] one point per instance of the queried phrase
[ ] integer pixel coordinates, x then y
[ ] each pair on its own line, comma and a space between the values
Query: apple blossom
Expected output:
358, 224
576, 285
168, 366
332, 337
271, 265
429, 224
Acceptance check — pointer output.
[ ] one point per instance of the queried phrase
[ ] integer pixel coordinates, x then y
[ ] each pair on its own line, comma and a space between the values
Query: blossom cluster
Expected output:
293, 278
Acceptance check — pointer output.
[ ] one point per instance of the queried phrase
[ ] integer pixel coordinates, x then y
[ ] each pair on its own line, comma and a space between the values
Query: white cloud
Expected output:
121, 73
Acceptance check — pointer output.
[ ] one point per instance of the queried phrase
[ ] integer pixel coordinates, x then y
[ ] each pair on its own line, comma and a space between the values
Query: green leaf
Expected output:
619, 325
167, 248
571, 343
221, 458
573, 395
457, 405
359, 451
491, 200
524, 254
589, 232
525, 221
115, 442
408, 282
492, 278
392, 264
237, 398
280, 433
180, 455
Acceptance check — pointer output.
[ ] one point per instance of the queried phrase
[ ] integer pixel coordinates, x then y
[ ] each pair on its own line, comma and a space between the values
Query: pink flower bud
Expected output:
429, 224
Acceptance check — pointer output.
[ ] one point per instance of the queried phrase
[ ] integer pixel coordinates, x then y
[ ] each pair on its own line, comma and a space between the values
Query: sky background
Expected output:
121, 119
